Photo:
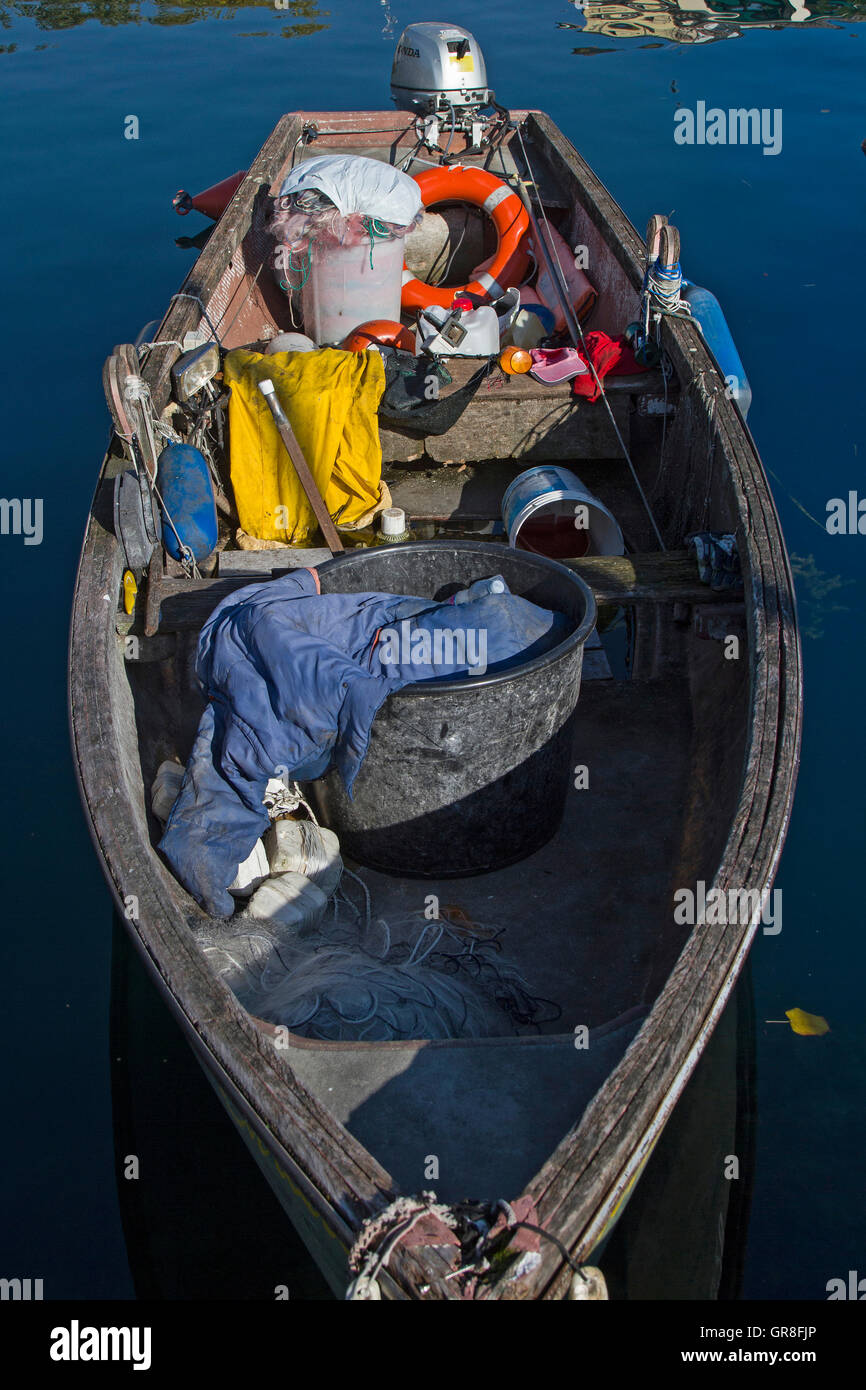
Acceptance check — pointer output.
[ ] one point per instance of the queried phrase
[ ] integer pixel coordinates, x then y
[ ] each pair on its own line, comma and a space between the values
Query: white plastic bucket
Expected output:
553, 499
343, 289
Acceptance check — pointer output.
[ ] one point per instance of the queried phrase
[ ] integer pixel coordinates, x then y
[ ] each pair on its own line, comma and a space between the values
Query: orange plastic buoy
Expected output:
515, 360
385, 331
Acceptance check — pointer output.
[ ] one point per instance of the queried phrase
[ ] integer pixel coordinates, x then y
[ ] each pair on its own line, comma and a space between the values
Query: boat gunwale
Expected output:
580, 1181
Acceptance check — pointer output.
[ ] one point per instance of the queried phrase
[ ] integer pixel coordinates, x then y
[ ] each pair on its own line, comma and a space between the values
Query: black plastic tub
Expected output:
463, 776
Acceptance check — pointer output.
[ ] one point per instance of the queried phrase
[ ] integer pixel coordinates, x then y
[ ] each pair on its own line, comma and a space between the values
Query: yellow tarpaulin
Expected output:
331, 398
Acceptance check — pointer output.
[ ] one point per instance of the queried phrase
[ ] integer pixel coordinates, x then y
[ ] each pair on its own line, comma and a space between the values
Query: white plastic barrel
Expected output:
343, 289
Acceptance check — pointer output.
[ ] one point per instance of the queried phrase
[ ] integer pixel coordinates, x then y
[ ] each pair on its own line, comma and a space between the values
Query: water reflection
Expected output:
68, 14
694, 21
678, 21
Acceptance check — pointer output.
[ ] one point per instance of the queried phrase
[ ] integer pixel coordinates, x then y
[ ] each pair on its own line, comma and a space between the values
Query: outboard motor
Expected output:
438, 73
438, 67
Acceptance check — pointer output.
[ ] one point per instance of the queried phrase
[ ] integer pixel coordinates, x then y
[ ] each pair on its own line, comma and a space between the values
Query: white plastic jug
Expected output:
482, 332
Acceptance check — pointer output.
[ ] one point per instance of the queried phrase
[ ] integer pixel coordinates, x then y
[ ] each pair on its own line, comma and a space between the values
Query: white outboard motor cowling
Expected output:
437, 65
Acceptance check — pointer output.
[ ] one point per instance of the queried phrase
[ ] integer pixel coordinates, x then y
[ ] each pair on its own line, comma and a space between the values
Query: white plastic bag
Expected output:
356, 184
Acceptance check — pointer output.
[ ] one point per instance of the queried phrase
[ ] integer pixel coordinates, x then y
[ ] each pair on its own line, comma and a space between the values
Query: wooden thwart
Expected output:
652, 578
185, 604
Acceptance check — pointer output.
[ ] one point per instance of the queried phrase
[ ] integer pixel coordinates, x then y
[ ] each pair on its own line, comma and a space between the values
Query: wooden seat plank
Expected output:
185, 604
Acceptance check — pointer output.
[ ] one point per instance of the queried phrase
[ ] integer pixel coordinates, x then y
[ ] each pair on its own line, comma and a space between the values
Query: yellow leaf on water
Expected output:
807, 1025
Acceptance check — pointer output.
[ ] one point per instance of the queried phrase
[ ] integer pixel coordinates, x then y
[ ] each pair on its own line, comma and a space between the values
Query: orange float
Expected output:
515, 360
379, 331
466, 184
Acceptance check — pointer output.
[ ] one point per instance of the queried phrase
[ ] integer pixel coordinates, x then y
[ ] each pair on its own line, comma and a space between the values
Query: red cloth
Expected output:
610, 357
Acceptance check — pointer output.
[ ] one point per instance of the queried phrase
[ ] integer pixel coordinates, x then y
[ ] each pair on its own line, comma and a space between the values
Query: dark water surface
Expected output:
89, 256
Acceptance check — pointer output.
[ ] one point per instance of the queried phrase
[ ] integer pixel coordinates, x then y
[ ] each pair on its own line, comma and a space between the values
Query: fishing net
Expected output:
303, 221
359, 979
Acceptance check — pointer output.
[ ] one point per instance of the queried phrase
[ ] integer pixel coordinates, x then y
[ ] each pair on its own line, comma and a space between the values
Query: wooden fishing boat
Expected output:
692, 741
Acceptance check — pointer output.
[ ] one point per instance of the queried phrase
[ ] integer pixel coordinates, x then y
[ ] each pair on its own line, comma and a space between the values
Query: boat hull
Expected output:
735, 820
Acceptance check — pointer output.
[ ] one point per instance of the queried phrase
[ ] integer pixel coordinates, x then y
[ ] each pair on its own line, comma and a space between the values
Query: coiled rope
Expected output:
664, 283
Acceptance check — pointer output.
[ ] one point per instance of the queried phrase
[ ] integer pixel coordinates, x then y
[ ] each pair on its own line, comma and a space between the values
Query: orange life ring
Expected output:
379, 331
466, 184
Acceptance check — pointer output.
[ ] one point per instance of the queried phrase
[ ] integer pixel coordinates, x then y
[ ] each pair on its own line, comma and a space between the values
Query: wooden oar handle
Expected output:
302, 468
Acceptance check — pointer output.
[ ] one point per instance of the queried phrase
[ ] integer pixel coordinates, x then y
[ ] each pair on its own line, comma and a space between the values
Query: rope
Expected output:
196, 299
577, 337
663, 283
303, 269
377, 231
389, 1226
471, 1222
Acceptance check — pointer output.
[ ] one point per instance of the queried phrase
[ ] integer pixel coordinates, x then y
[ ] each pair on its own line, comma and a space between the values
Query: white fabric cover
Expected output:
360, 185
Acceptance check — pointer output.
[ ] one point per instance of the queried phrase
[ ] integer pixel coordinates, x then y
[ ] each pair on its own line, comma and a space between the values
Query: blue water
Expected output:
88, 246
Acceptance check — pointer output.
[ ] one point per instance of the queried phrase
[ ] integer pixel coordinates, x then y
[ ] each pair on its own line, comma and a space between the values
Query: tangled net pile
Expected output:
355, 979
299, 220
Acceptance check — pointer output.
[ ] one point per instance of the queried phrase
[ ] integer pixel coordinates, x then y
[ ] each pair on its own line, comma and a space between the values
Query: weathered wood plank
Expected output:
248, 203
669, 577
617, 579
255, 563
528, 427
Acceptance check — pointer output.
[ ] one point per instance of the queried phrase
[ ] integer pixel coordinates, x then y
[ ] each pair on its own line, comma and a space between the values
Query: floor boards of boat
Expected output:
490, 1112
582, 931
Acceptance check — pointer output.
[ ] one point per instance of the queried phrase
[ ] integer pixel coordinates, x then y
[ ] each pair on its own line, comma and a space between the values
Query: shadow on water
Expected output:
199, 1221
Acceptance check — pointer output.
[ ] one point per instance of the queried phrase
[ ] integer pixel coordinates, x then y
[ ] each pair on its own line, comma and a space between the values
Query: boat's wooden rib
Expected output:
336, 1182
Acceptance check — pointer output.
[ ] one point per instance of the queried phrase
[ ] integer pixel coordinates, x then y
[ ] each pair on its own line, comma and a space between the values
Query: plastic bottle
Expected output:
532, 323
515, 360
480, 589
